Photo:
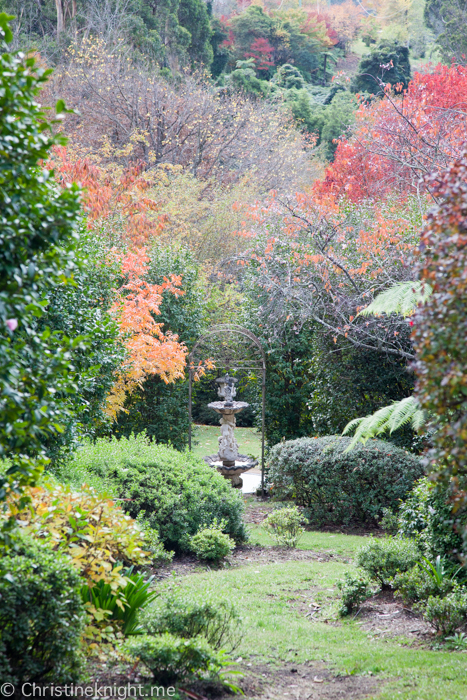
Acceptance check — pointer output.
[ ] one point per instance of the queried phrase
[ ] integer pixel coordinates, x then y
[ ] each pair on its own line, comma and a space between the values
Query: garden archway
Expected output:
230, 347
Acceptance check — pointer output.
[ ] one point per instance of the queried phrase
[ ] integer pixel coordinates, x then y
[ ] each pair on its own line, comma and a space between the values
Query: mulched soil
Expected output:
244, 555
383, 617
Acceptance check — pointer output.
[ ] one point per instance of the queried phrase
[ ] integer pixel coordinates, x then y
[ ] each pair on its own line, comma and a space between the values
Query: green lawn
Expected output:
204, 440
273, 599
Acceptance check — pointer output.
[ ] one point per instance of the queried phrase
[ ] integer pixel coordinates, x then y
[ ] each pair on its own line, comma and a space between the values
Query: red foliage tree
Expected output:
261, 51
399, 140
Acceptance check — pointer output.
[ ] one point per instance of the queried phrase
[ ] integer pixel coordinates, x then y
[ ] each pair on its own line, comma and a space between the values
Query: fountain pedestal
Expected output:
228, 461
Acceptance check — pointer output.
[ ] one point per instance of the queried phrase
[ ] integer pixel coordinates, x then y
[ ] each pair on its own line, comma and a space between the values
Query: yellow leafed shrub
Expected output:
88, 527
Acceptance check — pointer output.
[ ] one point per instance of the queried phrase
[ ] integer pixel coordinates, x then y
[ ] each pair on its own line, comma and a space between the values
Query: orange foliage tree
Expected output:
399, 140
324, 260
150, 350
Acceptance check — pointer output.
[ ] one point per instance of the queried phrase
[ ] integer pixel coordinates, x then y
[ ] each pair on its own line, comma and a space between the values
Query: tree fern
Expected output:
402, 298
386, 420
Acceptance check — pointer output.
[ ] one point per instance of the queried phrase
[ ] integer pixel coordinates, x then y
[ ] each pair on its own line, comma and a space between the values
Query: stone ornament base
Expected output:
242, 464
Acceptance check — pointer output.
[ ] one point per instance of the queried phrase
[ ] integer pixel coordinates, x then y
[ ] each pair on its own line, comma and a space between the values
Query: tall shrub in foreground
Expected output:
441, 327
38, 225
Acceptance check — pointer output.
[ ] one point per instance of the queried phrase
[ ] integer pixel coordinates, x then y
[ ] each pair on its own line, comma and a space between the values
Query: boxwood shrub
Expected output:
175, 492
41, 616
339, 487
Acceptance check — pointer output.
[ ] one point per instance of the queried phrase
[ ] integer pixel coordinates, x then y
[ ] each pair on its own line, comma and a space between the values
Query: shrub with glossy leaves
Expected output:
175, 492
41, 616
426, 515
383, 558
285, 526
38, 225
446, 614
338, 487
211, 543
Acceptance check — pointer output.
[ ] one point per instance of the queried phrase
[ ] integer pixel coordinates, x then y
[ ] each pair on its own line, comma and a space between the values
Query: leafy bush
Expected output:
211, 543
355, 589
285, 525
383, 558
176, 493
38, 229
416, 585
124, 604
89, 528
338, 486
172, 658
445, 614
184, 616
41, 616
426, 515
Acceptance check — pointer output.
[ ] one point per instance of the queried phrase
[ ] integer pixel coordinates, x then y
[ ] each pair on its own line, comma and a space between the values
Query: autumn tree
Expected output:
399, 140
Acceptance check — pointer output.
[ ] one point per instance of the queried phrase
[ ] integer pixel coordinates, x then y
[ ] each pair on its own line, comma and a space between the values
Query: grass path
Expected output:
205, 440
275, 600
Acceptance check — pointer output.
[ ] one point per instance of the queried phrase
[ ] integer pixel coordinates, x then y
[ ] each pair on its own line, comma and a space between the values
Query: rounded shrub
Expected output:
339, 487
41, 616
175, 492
211, 543
285, 526
383, 558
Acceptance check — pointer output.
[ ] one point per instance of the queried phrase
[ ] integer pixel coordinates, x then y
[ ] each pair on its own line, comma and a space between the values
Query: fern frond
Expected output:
402, 299
386, 419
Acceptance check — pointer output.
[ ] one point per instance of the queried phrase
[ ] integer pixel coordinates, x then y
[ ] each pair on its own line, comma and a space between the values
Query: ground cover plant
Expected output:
338, 486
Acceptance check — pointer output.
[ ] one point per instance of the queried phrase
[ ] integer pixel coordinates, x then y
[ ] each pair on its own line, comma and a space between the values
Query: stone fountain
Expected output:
227, 461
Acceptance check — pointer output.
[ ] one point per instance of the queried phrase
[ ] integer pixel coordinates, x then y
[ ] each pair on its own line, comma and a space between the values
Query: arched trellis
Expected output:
230, 347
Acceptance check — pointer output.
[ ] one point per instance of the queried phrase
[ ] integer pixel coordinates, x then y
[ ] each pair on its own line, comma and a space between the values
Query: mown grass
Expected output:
274, 598
205, 440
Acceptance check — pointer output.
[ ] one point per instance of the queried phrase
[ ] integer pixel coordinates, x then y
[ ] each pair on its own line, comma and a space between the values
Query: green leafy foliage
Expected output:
446, 614
337, 486
171, 658
176, 493
415, 585
386, 63
38, 228
387, 420
41, 616
125, 604
285, 526
187, 616
441, 358
447, 18
426, 515
350, 383
355, 589
158, 408
383, 558
402, 298
211, 543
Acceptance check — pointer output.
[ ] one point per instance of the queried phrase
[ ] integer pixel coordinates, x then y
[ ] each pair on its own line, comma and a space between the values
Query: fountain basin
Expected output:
232, 472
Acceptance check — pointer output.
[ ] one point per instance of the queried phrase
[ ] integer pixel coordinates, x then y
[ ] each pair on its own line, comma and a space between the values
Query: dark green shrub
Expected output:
355, 589
426, 515
172, 658
41, 616
445, 614
175, 492
386, 63
285, 525
211, 543
185, 616
383, 558
337, 486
